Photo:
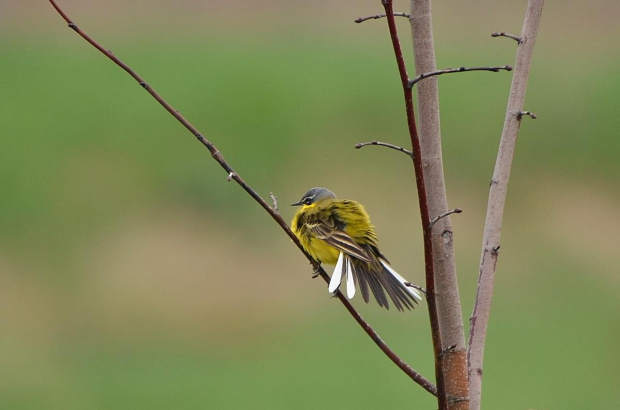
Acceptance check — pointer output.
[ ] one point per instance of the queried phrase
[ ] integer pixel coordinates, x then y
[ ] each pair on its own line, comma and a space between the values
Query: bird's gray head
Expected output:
314, 195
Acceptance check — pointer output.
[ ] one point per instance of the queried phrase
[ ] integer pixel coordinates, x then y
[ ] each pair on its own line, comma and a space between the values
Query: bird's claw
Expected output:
317, 271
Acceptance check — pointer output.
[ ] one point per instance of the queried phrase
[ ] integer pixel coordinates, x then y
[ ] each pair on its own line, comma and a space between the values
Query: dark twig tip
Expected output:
526, 113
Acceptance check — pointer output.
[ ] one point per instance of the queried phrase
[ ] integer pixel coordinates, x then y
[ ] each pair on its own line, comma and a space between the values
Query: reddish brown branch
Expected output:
232, 175
457, 70
422, 199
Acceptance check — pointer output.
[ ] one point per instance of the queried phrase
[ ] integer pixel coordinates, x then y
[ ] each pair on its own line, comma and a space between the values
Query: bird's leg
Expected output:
317, 271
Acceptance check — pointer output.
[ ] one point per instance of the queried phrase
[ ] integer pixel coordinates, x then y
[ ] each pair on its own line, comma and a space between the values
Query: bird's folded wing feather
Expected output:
339, 239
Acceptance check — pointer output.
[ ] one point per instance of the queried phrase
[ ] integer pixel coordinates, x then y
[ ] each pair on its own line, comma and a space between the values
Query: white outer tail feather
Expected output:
337, 275
413, 291
350, 282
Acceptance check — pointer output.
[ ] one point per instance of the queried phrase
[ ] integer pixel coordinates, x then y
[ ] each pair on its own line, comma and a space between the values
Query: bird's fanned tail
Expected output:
377, 275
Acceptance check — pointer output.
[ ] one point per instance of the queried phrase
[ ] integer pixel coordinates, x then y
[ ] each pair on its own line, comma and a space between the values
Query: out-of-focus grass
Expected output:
132, 275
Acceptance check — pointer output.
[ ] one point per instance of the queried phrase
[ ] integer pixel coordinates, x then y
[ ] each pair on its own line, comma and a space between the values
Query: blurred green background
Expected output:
134, 276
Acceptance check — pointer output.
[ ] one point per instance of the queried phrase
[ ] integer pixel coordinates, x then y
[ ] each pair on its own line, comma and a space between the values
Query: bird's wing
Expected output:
339, 239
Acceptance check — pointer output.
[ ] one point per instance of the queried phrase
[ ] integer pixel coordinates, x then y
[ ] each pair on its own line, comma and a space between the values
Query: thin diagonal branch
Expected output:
232, 175
379, 16
497, 198
422, 76
384, 144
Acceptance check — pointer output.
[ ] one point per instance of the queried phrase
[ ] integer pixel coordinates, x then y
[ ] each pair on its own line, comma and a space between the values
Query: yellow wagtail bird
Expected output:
339, 231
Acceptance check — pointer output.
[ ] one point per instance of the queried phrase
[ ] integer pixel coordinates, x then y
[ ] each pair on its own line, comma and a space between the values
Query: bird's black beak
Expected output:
296, 203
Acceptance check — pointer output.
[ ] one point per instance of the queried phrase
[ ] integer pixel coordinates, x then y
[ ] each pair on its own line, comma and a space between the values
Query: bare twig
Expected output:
420, 179
527, 113
452, 367
497, 198
274, 199
418, 287
384, 144
379, 16
456, 70
450, 212
519, 40
232, 175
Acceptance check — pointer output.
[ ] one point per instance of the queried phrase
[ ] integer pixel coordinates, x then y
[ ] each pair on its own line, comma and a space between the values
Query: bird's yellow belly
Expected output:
321, 251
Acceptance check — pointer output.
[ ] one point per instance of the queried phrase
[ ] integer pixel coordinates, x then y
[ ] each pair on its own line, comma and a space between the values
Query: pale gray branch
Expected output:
497, 198
446, 292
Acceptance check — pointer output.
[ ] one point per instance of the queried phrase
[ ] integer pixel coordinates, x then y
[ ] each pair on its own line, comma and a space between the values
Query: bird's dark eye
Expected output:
307, 201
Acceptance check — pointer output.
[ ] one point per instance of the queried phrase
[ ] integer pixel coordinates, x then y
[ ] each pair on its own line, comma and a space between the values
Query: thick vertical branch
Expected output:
497, 198
422, 200
454, 364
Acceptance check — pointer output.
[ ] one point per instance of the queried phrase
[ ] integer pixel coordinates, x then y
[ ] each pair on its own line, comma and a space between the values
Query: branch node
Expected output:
530, 114
519, 40
450, 212
449, 349
144, 85
73, 26
230, 176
